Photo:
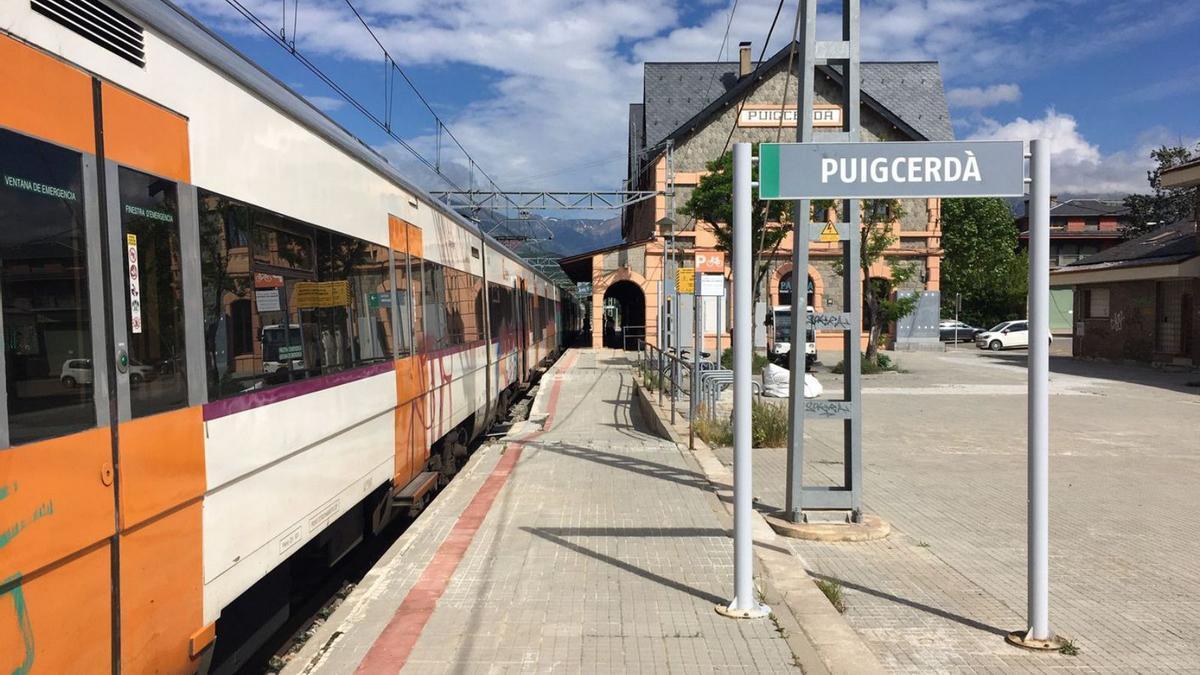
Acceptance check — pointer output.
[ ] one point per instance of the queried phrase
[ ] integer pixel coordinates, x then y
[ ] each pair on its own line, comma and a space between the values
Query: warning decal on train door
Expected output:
135, 292
829, 234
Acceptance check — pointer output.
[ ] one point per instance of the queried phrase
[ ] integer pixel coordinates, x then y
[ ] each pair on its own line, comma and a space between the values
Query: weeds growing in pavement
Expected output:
882, 364
1069, 648
769, 427
716, 432
833, 592
649, 377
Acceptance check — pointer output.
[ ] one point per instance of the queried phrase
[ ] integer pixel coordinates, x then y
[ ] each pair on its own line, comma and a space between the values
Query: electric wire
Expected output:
761, 55
384, 124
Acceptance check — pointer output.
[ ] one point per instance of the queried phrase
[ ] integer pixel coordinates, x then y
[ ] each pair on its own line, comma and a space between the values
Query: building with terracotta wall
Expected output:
693, 112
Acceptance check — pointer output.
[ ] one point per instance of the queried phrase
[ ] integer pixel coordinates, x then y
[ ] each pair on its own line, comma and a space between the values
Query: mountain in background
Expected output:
551, 237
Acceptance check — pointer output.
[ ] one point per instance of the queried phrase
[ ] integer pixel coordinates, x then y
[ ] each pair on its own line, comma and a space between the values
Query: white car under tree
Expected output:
1005, 335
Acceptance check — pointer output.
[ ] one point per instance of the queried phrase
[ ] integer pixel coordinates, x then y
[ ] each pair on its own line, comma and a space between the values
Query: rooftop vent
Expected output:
99, 23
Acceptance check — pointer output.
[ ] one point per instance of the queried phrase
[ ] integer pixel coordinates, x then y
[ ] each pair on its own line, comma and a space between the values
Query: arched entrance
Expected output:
624, 314
784, 297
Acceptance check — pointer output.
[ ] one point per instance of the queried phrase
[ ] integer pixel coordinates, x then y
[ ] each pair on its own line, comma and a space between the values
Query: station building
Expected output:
1139, 301
690, 114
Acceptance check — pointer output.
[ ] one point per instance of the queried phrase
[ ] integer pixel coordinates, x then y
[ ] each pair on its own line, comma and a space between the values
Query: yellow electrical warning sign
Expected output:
829, 234
685, 280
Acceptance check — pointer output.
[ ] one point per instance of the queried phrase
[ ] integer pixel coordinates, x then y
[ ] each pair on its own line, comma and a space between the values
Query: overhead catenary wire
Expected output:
281, 38
762, 53
721, 51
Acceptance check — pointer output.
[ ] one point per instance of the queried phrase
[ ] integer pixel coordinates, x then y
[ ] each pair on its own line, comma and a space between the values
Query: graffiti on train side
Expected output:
12, 529
13, 612
12, 604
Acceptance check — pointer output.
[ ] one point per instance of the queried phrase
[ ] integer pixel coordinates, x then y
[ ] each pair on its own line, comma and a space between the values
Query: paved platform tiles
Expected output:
945, 465
604, 551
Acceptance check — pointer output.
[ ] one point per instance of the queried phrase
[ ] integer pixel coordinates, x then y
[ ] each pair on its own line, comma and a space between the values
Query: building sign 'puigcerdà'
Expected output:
887, 170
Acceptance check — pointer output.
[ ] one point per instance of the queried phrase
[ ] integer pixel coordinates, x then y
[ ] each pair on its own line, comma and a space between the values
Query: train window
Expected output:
43, 281
306, 302
399, 310
464, 306
278, 245
436, 314
150, 224
500, 310
233, 363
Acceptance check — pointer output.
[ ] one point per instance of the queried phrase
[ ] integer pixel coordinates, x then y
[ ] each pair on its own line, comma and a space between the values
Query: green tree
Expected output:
982, 264
1164, 205
876, 236
712, 202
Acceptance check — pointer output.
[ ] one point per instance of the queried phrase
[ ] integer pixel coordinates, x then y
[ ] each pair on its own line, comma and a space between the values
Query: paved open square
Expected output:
945, 463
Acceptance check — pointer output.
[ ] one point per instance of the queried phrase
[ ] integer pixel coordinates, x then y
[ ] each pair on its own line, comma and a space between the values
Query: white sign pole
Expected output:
744, 605
1038, 635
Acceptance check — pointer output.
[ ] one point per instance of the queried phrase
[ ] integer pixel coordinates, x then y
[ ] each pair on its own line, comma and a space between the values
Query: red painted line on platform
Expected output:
392, 648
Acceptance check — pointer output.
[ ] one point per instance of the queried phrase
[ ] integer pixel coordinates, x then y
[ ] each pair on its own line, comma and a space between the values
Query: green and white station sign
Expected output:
891, 170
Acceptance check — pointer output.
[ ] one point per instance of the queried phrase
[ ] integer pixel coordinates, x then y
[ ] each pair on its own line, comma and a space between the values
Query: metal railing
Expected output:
672, 373
632, 333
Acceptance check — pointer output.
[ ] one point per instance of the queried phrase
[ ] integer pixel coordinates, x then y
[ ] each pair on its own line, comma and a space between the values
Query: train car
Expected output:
233, 333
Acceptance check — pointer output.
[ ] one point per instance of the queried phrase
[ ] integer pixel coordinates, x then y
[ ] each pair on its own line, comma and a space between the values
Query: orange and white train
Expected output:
232, 333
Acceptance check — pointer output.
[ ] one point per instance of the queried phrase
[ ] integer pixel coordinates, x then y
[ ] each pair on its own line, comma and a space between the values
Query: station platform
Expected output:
581, 542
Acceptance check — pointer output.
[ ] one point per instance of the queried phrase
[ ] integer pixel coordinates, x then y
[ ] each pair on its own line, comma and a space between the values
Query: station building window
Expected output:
43, 285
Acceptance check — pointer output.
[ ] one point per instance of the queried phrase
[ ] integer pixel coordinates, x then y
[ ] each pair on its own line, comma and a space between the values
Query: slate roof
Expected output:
1088, 207
1164, 246
675, 93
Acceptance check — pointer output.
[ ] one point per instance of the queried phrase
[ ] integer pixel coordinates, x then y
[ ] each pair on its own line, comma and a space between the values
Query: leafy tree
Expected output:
979, 237
712, 202
876, 236
1165, 205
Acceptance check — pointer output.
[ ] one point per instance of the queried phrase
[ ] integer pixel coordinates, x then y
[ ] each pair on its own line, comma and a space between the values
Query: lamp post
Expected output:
673, 334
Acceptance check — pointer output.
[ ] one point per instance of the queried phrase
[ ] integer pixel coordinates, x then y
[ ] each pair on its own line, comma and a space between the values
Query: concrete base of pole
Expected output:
871, 527
757, 612
1021, 639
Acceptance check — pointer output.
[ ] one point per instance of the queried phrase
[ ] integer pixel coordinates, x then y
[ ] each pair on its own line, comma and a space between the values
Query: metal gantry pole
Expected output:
744, 604
818, 53
1039, 400
693, 397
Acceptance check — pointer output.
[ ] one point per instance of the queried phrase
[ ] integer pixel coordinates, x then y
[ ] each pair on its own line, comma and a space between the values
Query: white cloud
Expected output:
560, 76
1077, 166
983, 97
327, 104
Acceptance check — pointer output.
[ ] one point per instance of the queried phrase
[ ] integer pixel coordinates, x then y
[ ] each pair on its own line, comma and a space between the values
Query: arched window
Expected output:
784, 298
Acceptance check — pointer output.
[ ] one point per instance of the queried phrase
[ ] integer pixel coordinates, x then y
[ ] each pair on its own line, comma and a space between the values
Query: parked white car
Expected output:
76, 372
1006, 335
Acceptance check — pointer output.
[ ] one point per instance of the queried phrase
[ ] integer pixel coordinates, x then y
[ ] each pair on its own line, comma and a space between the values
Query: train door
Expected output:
522, 331
101, 431
157, 378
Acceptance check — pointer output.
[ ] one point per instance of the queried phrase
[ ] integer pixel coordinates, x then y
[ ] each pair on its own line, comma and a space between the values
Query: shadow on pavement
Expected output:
970, 623
1140, 375
551, 535
644, 467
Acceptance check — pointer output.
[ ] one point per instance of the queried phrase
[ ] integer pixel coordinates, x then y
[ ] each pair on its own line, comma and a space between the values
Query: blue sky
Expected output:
538, 90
